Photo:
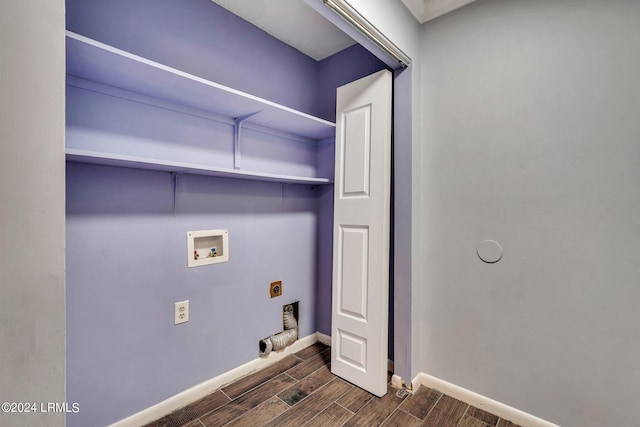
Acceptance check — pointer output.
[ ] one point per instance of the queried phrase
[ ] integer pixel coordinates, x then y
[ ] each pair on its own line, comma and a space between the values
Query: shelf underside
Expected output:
84, 156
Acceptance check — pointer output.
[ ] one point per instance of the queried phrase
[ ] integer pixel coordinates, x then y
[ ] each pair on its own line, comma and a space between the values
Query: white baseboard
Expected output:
201, 390
500, 409
324, 338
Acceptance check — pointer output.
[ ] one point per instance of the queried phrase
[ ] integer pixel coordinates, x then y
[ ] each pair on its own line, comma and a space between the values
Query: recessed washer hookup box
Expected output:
207, 247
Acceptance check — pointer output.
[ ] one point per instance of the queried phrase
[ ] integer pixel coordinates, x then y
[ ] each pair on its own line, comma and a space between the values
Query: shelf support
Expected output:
237, 128
174, 178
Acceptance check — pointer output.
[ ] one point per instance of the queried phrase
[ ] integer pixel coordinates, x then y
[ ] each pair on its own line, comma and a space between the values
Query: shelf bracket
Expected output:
237, 128
174, 178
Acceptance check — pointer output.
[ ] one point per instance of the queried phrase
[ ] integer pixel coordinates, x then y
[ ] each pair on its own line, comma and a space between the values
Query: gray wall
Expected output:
32, 318
530, 137
402, 234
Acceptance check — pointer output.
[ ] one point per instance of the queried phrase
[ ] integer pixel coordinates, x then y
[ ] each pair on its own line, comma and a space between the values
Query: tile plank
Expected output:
506, 423
305, 387
206, 404
333, 415
264, 391
376, 410
482, 415
247, 401
179, 417
421, 402
261, 414
309, 407
469, 421
165, 421
245, 384
310, 365
311, 351
448, 412
355, 399
400, 418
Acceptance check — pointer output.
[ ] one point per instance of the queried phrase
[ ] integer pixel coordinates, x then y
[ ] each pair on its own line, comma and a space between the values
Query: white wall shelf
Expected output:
97, 62
86, 156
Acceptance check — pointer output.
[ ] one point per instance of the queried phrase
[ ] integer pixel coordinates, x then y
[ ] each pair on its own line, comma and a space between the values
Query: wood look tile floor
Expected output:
300, 390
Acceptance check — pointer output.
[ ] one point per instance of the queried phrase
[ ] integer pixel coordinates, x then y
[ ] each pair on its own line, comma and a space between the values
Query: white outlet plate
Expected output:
181, 312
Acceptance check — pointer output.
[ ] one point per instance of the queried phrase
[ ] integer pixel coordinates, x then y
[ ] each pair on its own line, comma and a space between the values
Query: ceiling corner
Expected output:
416, 7
425, 10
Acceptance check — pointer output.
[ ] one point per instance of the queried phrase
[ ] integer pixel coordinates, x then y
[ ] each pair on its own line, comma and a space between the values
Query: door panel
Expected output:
354, 268
361, 232
355, 166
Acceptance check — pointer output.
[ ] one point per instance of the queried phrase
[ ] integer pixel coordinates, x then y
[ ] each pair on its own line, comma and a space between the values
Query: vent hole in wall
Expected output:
294, 308
289, 334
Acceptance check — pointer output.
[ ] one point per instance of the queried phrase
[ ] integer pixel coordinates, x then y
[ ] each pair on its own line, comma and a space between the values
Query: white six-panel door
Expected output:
361, 232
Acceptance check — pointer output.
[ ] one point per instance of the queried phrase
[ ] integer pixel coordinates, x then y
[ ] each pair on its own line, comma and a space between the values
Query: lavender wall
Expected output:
345, 66
126, 256
126, 250
127, 265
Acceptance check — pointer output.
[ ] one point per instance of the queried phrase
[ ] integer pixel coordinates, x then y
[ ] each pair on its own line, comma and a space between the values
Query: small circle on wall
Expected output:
489, 251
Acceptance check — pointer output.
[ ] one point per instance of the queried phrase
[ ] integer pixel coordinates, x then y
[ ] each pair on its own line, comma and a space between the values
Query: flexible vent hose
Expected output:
282, 339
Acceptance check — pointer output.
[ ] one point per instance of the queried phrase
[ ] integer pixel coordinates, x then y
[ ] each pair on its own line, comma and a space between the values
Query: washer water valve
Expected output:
206, 247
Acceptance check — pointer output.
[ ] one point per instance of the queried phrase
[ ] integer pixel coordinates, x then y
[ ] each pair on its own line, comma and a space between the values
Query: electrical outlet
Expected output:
275, 288
181, 312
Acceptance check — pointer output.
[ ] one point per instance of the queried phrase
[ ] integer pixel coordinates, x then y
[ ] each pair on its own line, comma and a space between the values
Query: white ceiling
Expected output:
292, 22
297, 24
